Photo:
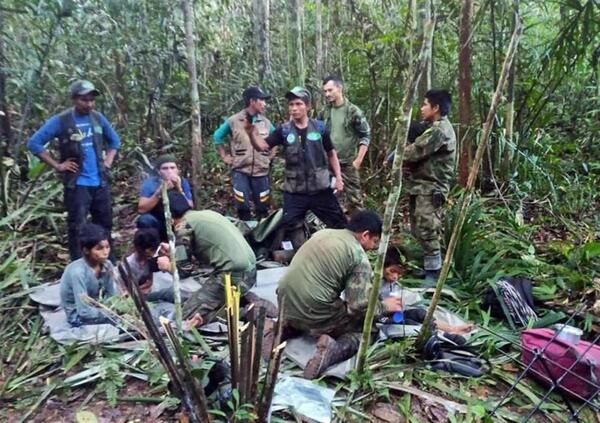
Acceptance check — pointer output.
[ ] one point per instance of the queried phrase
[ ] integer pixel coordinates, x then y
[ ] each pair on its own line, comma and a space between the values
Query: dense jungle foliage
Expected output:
537, 213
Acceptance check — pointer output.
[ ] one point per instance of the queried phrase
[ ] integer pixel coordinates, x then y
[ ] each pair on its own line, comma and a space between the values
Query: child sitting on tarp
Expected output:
392, 270
149, 256
92, 275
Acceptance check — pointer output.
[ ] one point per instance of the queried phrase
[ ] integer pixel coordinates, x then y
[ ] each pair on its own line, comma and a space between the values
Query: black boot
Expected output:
329, 352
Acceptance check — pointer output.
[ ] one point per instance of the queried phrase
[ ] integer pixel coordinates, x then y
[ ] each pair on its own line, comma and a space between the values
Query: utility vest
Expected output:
245, 158
69, 145
306, 163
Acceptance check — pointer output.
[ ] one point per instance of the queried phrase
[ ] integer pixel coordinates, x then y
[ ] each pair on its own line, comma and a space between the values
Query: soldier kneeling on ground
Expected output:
331, 262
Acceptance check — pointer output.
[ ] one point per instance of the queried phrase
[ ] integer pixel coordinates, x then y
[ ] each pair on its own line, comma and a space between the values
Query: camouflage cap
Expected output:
298, 92
83, 87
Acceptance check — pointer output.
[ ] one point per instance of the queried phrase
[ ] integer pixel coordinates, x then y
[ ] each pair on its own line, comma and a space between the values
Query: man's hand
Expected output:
357, 163
69, 165
164, 263
176, 181
227, 159
146, 287
164, 249
392, 304
108, 162
339, 186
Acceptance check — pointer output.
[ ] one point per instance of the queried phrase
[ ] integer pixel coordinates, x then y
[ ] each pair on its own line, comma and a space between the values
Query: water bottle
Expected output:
397, 317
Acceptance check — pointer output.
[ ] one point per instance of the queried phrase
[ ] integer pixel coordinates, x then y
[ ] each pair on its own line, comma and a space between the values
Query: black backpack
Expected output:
511, 299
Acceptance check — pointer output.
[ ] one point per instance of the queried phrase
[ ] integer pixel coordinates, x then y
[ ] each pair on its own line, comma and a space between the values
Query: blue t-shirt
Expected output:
150, 185
89, 176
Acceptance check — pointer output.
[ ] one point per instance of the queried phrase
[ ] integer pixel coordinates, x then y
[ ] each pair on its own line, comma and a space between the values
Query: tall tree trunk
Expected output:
5, 128
509, 117
297, 9
464, 91
319, 38
262, 15
327, 40
412, 84
470, 188
188, 17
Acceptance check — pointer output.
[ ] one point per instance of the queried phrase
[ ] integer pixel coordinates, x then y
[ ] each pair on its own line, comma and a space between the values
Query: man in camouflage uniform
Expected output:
208, 238
429, 172
331, 262
349, 129
249, 168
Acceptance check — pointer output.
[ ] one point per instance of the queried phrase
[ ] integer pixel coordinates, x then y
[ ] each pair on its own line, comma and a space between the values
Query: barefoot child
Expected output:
90, 275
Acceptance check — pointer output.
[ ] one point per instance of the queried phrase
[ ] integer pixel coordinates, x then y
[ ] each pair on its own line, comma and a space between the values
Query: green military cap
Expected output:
83, 87
298, 92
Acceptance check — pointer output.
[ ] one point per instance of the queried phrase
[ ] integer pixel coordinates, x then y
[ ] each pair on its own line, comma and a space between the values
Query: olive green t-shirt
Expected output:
343, 139
213, 240
330, 262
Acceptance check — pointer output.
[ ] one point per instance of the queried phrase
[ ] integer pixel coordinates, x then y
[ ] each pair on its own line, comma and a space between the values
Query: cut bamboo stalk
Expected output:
232, 305
392, 200
245, 362
257, 349
270, 382
190, 383
194, 408
470, 188
175, 272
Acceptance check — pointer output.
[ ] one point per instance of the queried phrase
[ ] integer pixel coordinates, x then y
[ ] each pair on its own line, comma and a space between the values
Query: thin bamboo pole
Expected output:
470, 188
269, 382
392, 200
171, 237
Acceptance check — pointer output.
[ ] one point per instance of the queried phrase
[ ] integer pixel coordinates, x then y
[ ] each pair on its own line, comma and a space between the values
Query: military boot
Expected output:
329, 352
432, 265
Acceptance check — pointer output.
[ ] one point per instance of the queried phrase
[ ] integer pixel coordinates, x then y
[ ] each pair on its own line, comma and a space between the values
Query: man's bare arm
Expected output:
334, 165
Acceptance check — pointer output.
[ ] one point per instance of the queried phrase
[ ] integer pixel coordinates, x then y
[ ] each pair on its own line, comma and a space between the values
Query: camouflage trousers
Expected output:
338, 324
210, 298
351, 197
426, 226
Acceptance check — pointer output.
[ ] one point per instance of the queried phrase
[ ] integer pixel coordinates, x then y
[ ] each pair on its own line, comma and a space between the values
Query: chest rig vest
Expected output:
69, 145
245, 158
306, 163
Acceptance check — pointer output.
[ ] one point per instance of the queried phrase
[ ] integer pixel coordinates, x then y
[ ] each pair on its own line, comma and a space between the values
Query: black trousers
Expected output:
81, 201
323, 204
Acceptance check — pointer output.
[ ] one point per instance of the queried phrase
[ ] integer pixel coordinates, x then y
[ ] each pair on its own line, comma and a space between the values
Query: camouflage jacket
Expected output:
356, 131
431, 160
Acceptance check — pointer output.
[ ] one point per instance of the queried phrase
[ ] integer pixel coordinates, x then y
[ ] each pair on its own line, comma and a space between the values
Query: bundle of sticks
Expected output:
245, 346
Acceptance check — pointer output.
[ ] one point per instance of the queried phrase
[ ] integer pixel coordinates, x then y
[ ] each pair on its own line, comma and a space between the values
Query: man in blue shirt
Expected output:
87, 147
150, 204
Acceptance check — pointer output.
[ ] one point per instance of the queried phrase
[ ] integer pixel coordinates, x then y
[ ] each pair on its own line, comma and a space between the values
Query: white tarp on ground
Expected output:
299, 350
